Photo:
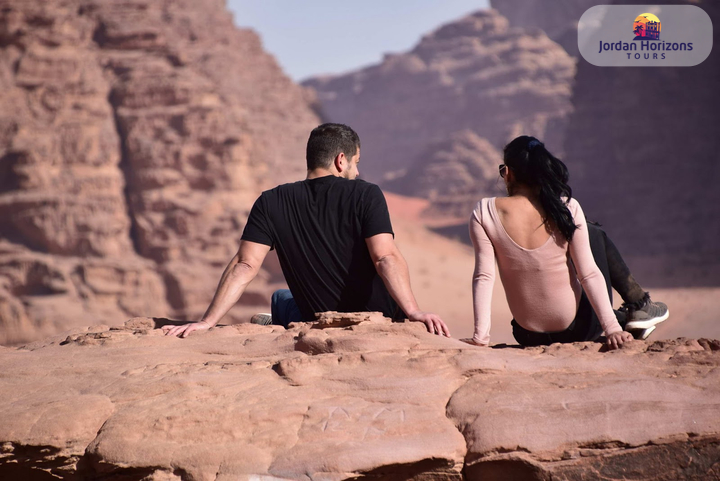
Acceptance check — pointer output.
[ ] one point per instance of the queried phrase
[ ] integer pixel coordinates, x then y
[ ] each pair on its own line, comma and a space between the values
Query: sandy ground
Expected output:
441, 272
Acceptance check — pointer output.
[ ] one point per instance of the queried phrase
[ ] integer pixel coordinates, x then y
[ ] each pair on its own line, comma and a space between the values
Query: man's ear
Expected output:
340, 162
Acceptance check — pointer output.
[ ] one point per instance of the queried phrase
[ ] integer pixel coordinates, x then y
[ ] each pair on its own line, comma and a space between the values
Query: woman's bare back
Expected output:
522, 221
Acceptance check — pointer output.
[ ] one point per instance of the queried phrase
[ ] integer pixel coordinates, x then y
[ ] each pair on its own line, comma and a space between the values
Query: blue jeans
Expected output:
283, 308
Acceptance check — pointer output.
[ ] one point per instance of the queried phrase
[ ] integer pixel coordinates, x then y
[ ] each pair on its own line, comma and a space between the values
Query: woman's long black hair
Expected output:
534, 166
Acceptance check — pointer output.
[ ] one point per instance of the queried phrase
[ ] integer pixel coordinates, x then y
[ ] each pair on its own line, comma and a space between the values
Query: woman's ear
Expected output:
509, 175
509, 181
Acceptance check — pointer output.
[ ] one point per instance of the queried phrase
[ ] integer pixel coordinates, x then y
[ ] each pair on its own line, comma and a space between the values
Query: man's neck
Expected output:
317, 173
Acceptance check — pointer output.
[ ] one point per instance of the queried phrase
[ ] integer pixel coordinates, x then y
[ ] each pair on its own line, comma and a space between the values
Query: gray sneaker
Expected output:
645, 314
262, 318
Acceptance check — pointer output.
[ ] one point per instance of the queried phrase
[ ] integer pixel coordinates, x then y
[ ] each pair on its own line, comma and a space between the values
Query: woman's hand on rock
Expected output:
473, 342
616, 339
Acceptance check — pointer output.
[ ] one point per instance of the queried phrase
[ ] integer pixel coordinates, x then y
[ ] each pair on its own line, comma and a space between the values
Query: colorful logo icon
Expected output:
646, 27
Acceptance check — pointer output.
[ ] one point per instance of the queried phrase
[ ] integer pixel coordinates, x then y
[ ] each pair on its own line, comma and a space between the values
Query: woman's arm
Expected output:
589, 273
483, 280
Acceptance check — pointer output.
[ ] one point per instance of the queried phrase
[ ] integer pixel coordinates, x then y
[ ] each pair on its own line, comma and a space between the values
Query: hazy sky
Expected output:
310, 37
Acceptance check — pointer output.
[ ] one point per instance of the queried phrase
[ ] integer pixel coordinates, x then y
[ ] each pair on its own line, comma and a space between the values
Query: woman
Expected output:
542, 243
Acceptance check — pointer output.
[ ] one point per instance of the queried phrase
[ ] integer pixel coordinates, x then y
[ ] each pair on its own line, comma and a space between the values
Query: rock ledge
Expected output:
369, 400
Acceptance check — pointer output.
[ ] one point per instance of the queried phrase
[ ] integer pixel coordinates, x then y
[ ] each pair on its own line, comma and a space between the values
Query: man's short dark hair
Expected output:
327, 141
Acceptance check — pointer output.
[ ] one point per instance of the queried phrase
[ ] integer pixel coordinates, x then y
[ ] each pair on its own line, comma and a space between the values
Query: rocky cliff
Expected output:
639, 142
477, 75
652, 178
134, 136
558, 18
637, 175
354, 396
453, 173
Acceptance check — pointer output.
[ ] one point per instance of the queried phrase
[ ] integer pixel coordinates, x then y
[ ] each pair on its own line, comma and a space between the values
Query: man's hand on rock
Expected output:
616, 339
434, 324
473, 342
184, 330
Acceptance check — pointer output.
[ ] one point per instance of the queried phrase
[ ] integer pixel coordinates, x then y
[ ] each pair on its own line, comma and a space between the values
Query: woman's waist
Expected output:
544, 311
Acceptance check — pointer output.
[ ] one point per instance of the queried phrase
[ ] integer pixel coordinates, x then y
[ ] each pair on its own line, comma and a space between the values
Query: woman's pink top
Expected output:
542, 286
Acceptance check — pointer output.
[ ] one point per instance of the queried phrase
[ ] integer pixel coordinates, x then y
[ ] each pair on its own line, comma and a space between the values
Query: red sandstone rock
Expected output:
345, 319
374, 399
453, 174
557, 19
653, 181
42, 294
134, 137
476, 74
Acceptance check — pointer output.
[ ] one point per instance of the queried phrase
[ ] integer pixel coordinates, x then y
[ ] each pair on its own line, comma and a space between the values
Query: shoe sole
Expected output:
261, 319
646, 333
647, 323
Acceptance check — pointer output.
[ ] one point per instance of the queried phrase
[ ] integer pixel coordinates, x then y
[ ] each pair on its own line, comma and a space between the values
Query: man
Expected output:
334, 240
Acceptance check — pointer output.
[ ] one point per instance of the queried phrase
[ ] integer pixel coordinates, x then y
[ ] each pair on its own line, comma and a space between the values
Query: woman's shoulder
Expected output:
482, 209
572, 201
572, 204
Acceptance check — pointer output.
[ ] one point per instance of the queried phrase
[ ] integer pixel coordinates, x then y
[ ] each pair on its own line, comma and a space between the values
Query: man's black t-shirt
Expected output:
319, 227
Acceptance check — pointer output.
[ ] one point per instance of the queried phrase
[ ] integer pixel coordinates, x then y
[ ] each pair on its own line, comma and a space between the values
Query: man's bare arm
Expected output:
240, 271
392, 268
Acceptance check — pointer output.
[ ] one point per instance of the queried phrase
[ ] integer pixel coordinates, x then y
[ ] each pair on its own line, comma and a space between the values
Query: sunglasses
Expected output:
502, 168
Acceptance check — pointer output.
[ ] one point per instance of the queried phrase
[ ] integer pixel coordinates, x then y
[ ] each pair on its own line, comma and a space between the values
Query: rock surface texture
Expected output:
354, 397
475, 75
134, 136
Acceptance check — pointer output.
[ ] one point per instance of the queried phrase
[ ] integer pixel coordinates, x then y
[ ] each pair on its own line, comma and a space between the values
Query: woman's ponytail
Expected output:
532, 164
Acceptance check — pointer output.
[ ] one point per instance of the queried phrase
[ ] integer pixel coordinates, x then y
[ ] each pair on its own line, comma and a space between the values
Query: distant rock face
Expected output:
476, 74
366, 399
558, 18
134, 137
453, 174
652, 180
